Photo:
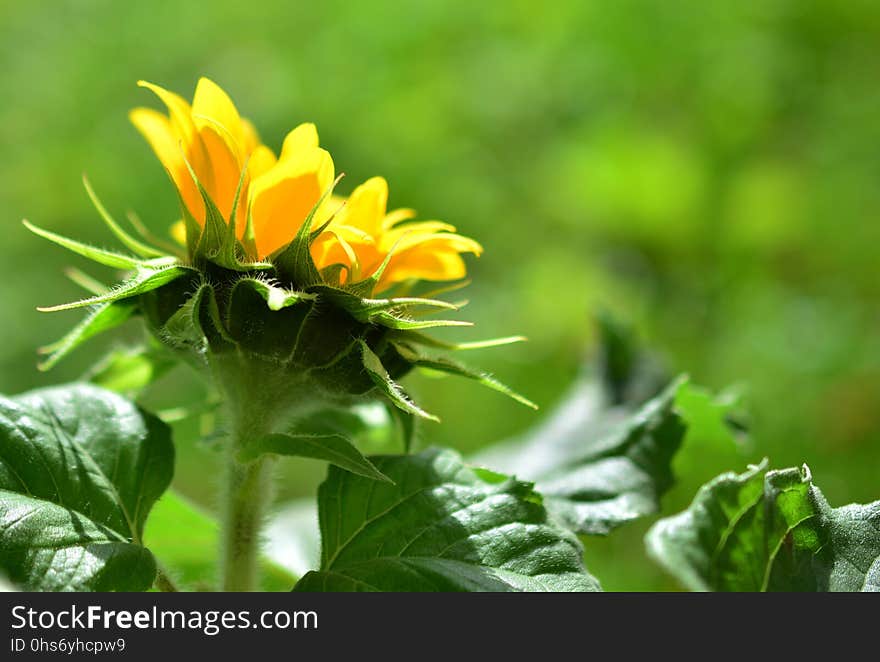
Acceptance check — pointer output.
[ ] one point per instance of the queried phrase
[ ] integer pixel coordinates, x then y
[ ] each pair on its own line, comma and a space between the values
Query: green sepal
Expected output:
332, 275
372, 310
230, 242
99, 255
103, 318
145, 280
213, 242
332, 448
367, 286
428, 341
196, 322
276, 297
391, 321
253, 325
132, 244
454, 368
388, 386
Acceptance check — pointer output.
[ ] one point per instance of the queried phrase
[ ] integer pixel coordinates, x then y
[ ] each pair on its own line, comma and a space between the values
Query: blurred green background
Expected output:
706, 171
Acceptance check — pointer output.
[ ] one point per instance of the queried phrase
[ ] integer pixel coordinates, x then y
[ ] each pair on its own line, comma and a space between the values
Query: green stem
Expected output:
254, 404
248, 491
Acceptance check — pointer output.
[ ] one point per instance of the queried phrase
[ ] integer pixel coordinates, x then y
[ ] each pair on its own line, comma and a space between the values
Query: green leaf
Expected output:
626, 373
370, 425
333, 448
714, 418
144, 280
132, 244
103, 318
443, 526
388, 386
47, 547
80, 469
769, 531
598, 469
604, 456
185, 539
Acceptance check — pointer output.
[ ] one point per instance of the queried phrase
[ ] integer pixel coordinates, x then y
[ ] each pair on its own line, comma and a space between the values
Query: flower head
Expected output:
277, 292
209, 144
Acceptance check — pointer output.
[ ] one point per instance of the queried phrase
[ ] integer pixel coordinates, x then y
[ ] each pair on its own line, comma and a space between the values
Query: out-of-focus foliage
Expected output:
708, 171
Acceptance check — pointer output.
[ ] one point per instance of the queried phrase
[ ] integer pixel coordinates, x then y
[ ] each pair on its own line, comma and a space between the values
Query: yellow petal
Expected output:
301, 139
212, 103
424, 263
156, 128
283, 197
261, 160
397, 216
178, 109
330, 248
365, 208
225, 168
167, 145
187, 134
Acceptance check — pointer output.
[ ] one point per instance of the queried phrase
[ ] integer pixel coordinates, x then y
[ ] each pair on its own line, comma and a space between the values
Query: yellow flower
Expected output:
363, 234
212, 139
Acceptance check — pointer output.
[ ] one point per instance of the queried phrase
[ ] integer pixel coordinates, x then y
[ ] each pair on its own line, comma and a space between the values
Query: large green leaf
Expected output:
604, 456
598, 468
442, 526
770, 531
47, 547
80, 468
185, 539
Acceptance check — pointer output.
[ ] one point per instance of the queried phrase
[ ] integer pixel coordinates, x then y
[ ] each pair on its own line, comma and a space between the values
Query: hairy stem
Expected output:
246, 498
254, 403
